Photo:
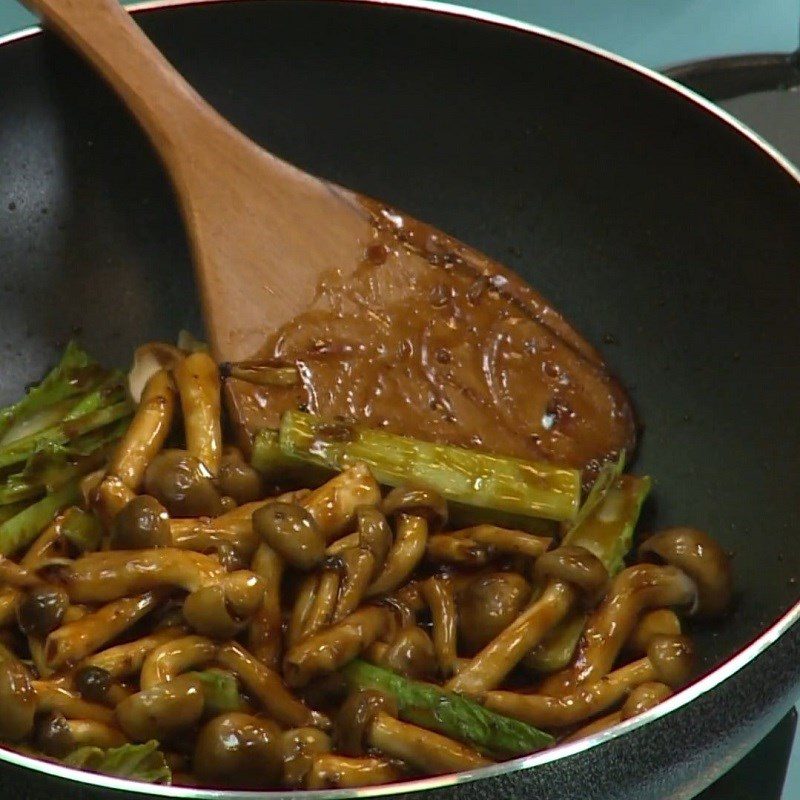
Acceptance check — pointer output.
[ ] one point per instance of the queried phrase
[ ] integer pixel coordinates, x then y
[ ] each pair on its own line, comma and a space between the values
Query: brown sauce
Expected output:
430, 339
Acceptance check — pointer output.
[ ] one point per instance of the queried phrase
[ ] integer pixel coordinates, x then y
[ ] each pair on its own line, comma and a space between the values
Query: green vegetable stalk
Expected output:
275, 465
461, 475
138, 762
432, 707
604, 526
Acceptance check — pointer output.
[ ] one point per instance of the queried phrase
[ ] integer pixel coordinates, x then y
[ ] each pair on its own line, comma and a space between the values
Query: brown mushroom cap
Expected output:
411, 653
239, 748
290, 530
356, 715
702, 559
488, 605
162, 710
42, 610
577, 567
223, 609
419, 502
17, 699
673, 659
52, 735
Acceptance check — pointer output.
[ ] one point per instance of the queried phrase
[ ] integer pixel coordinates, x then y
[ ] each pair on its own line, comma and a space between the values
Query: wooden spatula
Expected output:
262, 232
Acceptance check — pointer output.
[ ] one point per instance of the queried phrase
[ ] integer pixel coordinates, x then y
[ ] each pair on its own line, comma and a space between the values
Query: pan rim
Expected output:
706, 683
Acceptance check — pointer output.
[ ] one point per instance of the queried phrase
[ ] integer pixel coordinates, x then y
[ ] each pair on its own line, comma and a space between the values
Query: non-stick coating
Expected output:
668, 238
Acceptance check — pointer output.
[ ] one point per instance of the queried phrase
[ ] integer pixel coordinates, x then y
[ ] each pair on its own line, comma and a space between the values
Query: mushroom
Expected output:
569, 575
18, 699
147, 431
634, 590
143, 523
109, 575
332, 648
488, 605
333, 505
109, 498
161, 710
355, 718
55, 735
16, 575
438, 594
373, 534
357, 570
74, 641
404, 555
264, 634
410, 653
183, 484
290, 530
223, 609
53, 695
299, 747
239, 749
268, 688
174, 657
237, 479
332, 771
41, 610
669, 660
659, 622
233, 529
701, 558
642, 698
124, 660
418, 502
477, 545
198, 381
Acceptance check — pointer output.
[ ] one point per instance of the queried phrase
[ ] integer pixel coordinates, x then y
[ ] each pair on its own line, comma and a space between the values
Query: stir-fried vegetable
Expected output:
138, 762
432, 707
464, 476
220, 691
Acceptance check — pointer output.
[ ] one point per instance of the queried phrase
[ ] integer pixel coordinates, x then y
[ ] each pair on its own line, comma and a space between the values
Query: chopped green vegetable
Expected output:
220, 691
434, 708
275, 465
21, 449
465, 476
75, 375
110, 391
20, 530
607, 529
139, 762
82, 529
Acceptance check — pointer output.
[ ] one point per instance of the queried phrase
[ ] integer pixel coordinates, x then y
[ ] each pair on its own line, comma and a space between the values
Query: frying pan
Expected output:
664, 230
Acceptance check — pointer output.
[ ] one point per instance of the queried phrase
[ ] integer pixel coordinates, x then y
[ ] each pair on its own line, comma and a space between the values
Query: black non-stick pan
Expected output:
667, 233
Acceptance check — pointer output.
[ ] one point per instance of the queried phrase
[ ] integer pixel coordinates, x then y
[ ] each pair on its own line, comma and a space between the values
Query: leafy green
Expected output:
20, 530
455, 716
220, 691
82, 529
139, 762
74, 375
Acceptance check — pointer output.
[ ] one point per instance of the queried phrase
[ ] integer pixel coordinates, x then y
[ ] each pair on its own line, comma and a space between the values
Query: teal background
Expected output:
653, 32
657, 33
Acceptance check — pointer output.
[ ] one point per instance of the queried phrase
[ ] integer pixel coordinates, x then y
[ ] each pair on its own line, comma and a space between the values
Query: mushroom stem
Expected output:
223, 609
507, 649
76, 640
147, 432
332, 771
268, 688
124, 660
110, 497
51, 695
170, 659
635, 589
15, 575
333, 505
332, 648
108, 575
9, 600
198, 383
668, 661
475, 545
425, 750
91, 733
438, 593
321, 610
359, 566
404, 555
264, 635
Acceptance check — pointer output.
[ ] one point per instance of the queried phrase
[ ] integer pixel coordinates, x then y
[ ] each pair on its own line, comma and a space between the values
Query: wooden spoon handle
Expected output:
166, 106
